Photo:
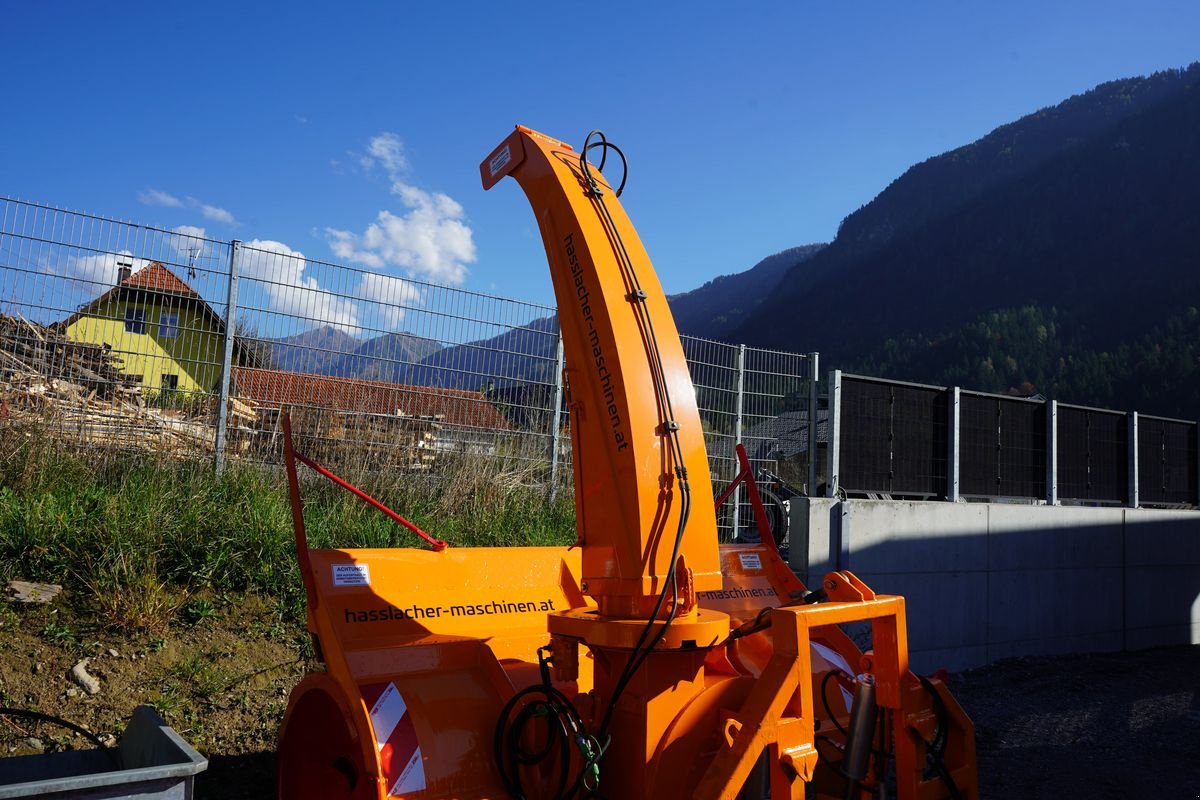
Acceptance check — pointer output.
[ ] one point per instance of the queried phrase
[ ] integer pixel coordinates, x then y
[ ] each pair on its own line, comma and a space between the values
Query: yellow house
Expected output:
163, 332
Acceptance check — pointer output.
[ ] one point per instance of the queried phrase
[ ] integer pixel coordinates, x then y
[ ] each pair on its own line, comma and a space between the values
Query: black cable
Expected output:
565, 732
825, 699
935, 751
604, 145
668, 425
62, 723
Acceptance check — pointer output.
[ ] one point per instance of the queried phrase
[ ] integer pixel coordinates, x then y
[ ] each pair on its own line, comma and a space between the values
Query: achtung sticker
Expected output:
499, 160
750, 560
395, 738
351, 574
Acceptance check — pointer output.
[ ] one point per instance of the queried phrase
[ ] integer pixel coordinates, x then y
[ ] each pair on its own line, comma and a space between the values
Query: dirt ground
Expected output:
222, 683
1115, 725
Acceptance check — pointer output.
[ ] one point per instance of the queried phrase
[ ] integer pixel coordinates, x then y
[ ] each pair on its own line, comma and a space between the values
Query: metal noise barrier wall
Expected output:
1093, 455
893, 438
913, 441
1167, 461
1003, 445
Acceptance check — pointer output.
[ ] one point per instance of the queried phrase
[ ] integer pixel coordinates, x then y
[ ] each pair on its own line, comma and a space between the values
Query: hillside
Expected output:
1045, 350
1089, 207
721, 305
524, 354
386, 358
315, 351
330, 351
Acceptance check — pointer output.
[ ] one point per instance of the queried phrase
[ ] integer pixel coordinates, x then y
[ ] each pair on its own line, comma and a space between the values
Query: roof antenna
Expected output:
192, 251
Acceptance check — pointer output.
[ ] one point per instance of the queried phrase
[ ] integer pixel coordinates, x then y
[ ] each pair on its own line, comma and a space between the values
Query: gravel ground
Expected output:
1110, 725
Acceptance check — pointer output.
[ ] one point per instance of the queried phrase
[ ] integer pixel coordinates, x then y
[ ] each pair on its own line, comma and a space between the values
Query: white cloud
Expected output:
388, 295
189, 230
387, 150
213, 212
101, 268
156, 197
153, 197
279, 271
191, 242
430, 240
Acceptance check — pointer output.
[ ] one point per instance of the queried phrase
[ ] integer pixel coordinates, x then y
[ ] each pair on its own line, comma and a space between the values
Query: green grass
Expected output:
137, 536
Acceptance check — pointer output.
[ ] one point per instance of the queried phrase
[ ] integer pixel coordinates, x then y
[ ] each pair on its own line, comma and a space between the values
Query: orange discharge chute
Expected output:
644, 662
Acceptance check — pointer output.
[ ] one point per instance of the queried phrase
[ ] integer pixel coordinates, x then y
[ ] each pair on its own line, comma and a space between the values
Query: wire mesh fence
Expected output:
760, 399
120, 335
103, 342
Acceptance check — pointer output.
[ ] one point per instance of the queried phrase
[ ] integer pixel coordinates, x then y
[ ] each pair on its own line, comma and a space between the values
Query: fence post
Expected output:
556, 419
953, 469
832, 477
814, 370
1133, 459
227, 356
1052, 452
737, 435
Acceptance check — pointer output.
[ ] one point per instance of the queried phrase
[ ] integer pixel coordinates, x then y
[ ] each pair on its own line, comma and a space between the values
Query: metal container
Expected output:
152, 761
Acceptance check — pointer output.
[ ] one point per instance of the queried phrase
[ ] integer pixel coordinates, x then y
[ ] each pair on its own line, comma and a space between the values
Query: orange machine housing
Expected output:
700, 671
615, 326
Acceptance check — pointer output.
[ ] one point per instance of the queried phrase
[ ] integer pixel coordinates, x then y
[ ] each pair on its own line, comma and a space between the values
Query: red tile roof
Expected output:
275, 388
157, 278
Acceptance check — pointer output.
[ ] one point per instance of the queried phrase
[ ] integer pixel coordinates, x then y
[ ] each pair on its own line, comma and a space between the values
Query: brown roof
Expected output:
157, 278
276, 388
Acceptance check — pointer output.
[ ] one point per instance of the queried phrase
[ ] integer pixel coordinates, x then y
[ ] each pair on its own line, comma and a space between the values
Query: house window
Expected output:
135, 320
168, 325
170, 382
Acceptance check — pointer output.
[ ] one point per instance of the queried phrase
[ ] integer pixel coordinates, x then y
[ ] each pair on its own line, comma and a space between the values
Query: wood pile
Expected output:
78, 390
349, 439
79, 393
44, 352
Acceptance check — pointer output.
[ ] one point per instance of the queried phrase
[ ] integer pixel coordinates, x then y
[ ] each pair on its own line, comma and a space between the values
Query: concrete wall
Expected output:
986, 581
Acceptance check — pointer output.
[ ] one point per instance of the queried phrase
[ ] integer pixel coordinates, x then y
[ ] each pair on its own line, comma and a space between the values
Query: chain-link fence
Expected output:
122, 335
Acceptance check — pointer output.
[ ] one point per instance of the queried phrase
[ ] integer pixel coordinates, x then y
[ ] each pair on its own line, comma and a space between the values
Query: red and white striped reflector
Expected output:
396, 738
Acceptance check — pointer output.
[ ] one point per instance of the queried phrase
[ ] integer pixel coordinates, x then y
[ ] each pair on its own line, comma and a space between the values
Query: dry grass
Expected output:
135, 535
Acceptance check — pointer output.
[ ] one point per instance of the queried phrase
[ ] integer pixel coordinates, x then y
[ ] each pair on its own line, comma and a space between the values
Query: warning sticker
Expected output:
750, 560
499, 160
351, 574
396, 739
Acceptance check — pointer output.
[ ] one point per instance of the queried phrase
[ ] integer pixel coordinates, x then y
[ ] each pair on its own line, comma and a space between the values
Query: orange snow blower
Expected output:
645, 661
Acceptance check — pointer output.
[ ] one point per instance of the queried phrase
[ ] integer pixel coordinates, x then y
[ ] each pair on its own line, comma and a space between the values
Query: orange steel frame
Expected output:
456, 633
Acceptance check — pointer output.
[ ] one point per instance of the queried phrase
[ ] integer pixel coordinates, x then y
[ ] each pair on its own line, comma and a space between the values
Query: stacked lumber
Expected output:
78, 390
40, 351
349, 439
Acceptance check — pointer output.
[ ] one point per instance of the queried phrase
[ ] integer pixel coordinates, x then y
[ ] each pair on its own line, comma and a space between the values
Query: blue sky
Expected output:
749, 127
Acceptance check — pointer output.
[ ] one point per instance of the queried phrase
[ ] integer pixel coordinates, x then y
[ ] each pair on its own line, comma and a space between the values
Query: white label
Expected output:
500, 160
750, 560
351, 575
